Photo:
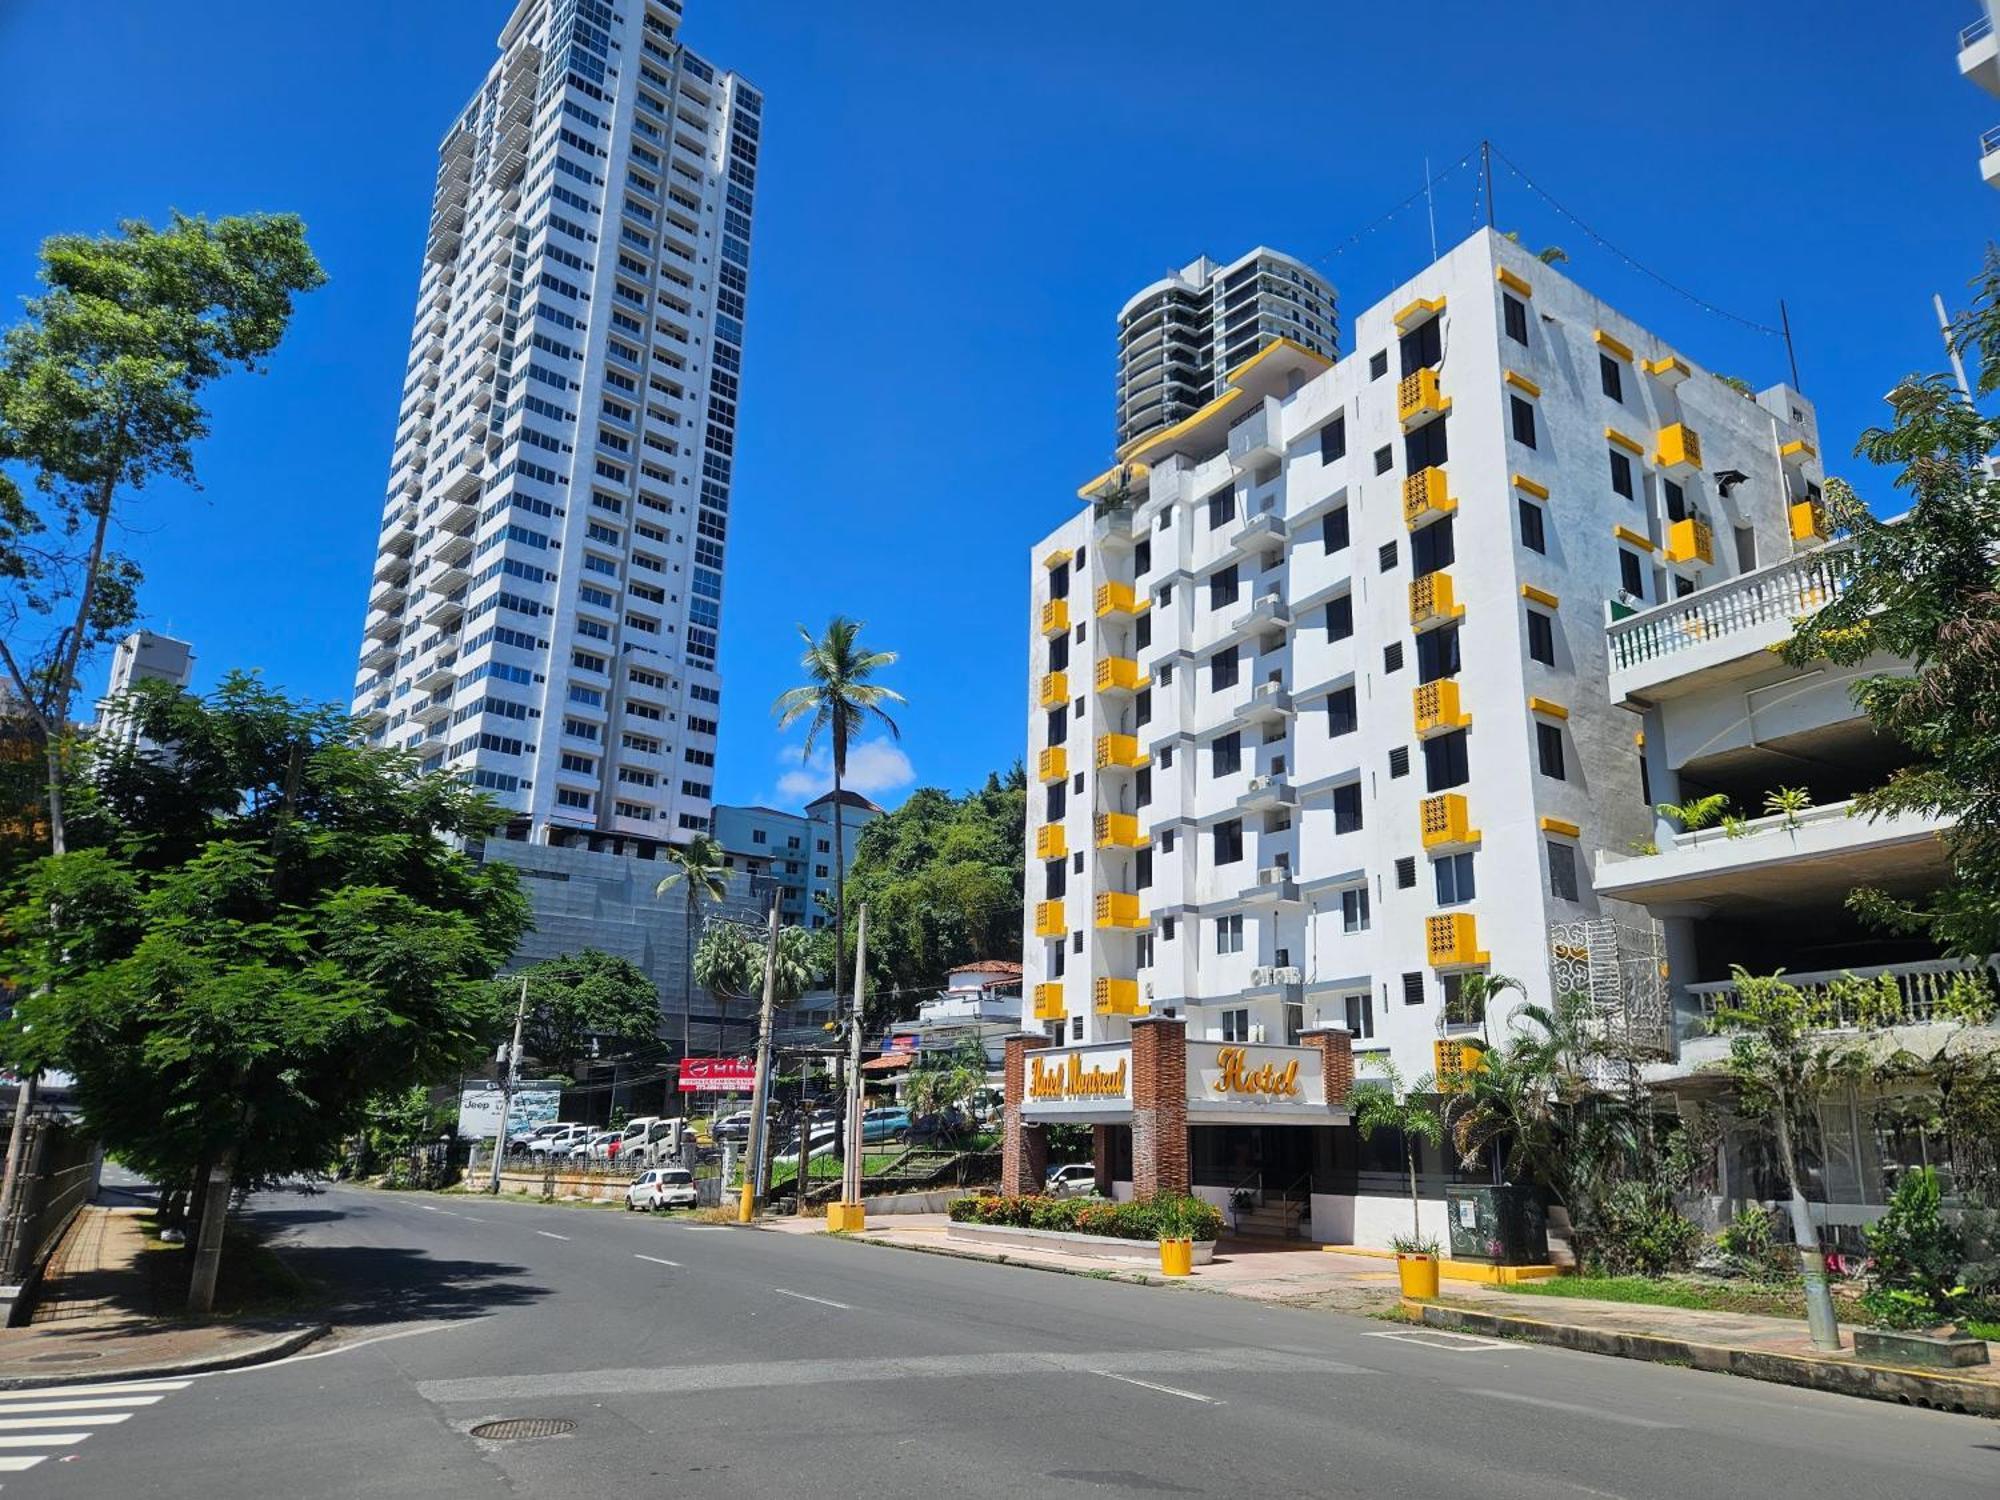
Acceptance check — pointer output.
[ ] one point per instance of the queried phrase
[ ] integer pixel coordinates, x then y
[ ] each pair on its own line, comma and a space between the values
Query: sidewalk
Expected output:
1299, 1274
96, 1319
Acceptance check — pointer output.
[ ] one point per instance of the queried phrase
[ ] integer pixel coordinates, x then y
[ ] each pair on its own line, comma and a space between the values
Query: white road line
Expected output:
545, 1234
13, 1465
471, 1220
1165, 1390
69, 1419
656, 1260
109, 1388
428, 1209
822, 1301
42, 1439
1446, 1342
706, 1228
80, 1404
1596, 1413
380, 1338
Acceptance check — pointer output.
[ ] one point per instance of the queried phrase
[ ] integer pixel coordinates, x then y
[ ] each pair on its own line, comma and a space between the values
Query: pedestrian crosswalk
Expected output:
49, 1421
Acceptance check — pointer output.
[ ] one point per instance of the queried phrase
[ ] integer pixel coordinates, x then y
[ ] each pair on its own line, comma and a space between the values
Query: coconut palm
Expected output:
699, 871
1385, 1103
836, 700
729, 964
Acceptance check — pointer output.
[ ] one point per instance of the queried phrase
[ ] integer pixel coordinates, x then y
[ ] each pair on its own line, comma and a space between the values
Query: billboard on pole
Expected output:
718, 1075
479, 1109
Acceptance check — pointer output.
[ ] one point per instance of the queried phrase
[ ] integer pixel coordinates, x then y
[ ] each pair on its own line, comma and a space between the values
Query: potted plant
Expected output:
1176, 1217
1241, 1202
1416, 1266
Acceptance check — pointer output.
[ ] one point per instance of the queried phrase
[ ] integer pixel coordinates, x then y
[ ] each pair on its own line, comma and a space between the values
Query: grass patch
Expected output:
1771, 1299
1989, 1331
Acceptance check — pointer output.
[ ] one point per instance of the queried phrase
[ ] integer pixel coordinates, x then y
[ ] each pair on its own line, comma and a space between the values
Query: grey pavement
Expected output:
711, 1361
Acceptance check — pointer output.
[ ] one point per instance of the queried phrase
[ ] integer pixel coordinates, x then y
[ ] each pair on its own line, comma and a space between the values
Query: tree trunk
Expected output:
687, 984
839, 877
208, 1247
1820, 1318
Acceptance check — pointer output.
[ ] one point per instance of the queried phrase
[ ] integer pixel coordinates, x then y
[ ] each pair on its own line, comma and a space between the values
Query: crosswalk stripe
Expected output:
66, 1419
15, 1463
42, 1439
83, 1404
108, 1388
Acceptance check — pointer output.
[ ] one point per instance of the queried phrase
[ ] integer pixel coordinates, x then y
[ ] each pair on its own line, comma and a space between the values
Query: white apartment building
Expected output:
1319, 719
1178, 337
143, 656
1979, 60
794, 851
547, 597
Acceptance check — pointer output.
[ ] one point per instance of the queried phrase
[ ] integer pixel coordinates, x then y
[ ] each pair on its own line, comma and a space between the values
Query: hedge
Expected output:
1163, 1215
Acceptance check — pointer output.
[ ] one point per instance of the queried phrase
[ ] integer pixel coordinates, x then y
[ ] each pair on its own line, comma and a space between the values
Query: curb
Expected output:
1130, 1278
278, 1346
1891, 1383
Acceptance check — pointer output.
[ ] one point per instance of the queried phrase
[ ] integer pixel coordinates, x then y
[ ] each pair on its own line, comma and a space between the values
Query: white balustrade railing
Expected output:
1921, 984
1785, 591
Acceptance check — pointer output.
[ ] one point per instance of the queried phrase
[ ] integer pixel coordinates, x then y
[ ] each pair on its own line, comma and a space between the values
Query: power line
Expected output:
1369, 228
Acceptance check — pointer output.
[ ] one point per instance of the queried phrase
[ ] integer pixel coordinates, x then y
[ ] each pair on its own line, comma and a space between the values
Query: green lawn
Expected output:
1990, 1331
1771, 1299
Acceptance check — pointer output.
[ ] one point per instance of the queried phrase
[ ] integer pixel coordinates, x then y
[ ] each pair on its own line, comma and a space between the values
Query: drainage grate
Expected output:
512, 1428
61, 1359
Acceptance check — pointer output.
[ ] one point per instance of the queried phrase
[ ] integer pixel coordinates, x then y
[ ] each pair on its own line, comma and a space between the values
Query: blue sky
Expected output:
955, 199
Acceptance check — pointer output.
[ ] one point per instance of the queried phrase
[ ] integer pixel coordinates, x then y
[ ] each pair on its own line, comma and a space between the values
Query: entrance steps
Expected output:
1277, 1220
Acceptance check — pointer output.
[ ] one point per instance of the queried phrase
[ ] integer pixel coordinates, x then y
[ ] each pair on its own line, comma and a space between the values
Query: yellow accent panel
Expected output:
1418, 396
1627, 534
1424, 497
1120, 599
1049, 919
1435, 706
1690, 540
1639, 739
1561, 826
1452, 1059
1054, 691
1119, 674
1550, 709
1528, 486
1509, 280
1612, 345
1051, 842
1630, 445
1117, 997
1680, 447
1669, 367
1459, 1270
1119, 909
1451, 939
1048, 1002
1445, 821
1053, 764
1120, 750
1120, 831
1416, 312
1809, 522
1057, 558
1055, 617
1798, 451
1104, 482
1431, 601
1540, 596
1521, 382
1272, 348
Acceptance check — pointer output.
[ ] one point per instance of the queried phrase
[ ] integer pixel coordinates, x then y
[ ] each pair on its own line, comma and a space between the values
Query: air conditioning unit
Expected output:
1287, 975
1256, 1034
1259, 783
1259, 977
1273, 875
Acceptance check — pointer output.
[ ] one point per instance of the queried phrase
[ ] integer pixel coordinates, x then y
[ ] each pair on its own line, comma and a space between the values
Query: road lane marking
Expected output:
803, 1297
545, 1234
471, 1220
656, 1260
1596, 1413
68, 1419
706, 1228
428, 1209
1445, 1342
1165, 1390
12, 1465
82, 1405
42, 1439
109, 1388
380, 1338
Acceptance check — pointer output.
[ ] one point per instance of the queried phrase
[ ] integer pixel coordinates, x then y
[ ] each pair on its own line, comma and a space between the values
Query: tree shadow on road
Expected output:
379, 1284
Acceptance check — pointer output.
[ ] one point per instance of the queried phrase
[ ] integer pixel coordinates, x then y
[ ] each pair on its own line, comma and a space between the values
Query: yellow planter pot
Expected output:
1418, 1275
1177, 1259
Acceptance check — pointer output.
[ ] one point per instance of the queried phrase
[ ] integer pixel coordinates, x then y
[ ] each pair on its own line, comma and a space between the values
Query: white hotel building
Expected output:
1319, 717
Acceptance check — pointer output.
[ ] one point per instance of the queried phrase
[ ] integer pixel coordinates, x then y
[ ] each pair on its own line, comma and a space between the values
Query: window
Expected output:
1055, 879
1333, 439
1142, 632
1347, 807
1228, 842
1236, 1025
1385, 556
1059, 654
1059, 581
1549, 750
1075, 864
1354, 909
1541, 638
1629, 576
1166, 929
1524, 421
1228, 753
1166, 757
1333, 529
1399, 761
1611, 377
1454, 879
1422, 346
1426, 448
1413, 987
1340, 617
1222, 587
1515, 313
1378, 364
1392, 657
1224, 668
1562, 871
1677, 505
1058, 726
1437, 654
1432, 547
1229, 934
1221, 508
1142, 558
1142, 787
1142, 707
1385, 458
1360, 1016
1406, 873
1532, 536
1075, 1028
1142, 870
1621, 473
1058, 802
1167, 841
1342, 714
1445, 762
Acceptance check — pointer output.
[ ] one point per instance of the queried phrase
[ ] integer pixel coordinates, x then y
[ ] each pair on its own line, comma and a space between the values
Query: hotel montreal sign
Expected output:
1084, 1080
1230, 1078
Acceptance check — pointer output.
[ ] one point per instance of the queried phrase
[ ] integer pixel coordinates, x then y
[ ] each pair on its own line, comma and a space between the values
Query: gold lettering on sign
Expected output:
1272, 1080
1070, 1079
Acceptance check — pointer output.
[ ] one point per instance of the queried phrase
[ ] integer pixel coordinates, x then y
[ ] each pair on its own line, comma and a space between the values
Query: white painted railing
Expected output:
1832, 812
1920, 984
1784, 591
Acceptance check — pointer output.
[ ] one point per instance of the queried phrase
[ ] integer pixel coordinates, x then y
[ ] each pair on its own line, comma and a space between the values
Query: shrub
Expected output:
1916, 1257
1641, 1233
1163, 1215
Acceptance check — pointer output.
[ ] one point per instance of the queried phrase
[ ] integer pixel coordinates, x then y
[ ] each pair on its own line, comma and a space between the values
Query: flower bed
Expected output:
1162, 1215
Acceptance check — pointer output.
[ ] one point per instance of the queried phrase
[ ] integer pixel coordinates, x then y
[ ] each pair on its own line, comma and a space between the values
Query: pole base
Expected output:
846, 1218
746, 1206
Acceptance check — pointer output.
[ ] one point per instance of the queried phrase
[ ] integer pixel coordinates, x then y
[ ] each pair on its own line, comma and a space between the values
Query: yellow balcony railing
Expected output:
1117, 997
1452, 1058
1055, 617
1054, 690
1436, 708
1690, 540
1809, 522
1120, 751
1120, 599
1119, 674
1052, 764
1050, 842
1451, 940
1048, 1002
1119, 909
1049, 919
1445, 821
1424, 498
1431, 601
1418, 399
1120, 831
1680, 447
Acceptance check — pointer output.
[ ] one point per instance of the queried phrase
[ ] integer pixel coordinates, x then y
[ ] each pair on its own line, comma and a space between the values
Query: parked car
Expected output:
601, 1146
560, 1141
734, 1127
1072, 1180
527, 1135
661, 1187
885, 1124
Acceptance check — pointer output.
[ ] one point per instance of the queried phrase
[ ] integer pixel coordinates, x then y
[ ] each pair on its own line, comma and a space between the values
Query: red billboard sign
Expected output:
718, 1075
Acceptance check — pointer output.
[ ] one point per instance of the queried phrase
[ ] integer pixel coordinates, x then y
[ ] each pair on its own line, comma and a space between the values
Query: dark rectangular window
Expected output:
1142, 787
1399, 761
1406, 873
1360, 1017
1426, 448
1333, 440
1228, 841
1059, 581
1532, 535
1431, 547
1142, 631
1524, 421
1541, 638
1055, 879
1611, 376
1057, 801
1562, 871
1059, 725
1677, 505
1347, 807
1142, 558
1621, 473
1516, 314
1385, 556
1454, 879
1549, 750
1630, 578
1340, 618
1385, 459
1378, 364
1059, 653
1342, 712
1422, 346
1445, 762
1142, 869
1223, 669
1228, 754
1392, 657
1333, 529
1222, 587
1221, 508
1142, 706
1437, 654
1413, 987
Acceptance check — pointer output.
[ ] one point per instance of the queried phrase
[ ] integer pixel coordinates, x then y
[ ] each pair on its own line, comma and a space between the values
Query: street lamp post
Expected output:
510, 1078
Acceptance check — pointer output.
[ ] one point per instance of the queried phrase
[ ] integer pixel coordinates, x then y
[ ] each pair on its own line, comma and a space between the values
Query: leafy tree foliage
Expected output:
729, 964
578, 1005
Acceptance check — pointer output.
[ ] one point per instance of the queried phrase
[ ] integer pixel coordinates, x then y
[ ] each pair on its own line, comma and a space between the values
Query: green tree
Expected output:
702, 876
254, 932
579, 1003
729, 964
1411, 1111
941, 1081
837, 700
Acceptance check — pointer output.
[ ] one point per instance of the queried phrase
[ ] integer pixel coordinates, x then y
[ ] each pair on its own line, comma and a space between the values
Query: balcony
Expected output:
1276, 886
1690, 540
1120, 752
1120, 909
440, 675
1268, 702
1446, 822
452, 547
1728, 628
1989, 156
387, 597
1979, 54
1919, 985
1048, 1002
1119, 674
1120, 831
1268, 793
1120, 599
1451, 941
1055, 617
1679, 450
1263, 535
1268, 611
383, 626
1053, 691
1424, 498
1809, 521
1051, 841
1052, 764
1418, 400
1117, 997
1049, 919
433, 711
381, 656
1255, 442
1436, 708
1431, 602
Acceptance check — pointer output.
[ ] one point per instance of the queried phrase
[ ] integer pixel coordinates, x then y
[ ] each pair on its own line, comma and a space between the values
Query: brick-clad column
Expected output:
1336, 1061
1100, 1156
1024, 1148
1159, 1106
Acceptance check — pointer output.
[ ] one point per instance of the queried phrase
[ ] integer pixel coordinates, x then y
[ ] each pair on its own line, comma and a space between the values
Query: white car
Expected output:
560, 1142
600, 1146
1076, 1180
661, 1187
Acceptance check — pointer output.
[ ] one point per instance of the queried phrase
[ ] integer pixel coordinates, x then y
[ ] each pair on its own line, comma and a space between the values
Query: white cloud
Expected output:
877, 765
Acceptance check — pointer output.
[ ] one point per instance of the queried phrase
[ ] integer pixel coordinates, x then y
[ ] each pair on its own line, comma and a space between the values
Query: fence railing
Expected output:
59, 1167
1920, 984
1783, 592
1969, 34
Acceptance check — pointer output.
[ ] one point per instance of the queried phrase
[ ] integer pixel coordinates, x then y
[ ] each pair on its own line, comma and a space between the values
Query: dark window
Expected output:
1057, 801
1333, 439
1524, 421
1399, 761
1541, 638
1437, 654
1058, 726
1166, 755
1532, 536
1611, 376
1360, 1017
1413, 987
1562, 871
1340, 618
1142, 706
1229, 842
1645, 783
1431, 547
1629, 577
1406, 873
1445, 762
1516, 314
1549, 750
1166, 929
1342, 712
1059, 581
1422, 346
1682, 586
1454, 879
1142, 869
1142, 631
1222, 588
1228, 753
1333, 529
1223, 669
1347, 807
1055, 879
1059, 653
1385, 556
1677, 505
1142, 787
1621, 473
1378, 364
1425, 448
1221, 508
1075, 863
1142, 558
1392, 657
1385, 458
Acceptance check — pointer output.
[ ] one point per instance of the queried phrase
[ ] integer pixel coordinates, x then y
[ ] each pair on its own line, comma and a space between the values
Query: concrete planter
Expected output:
1923, 1351
1096, 1246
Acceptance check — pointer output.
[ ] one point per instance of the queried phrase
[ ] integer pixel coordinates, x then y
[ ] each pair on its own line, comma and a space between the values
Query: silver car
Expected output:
1075, 1180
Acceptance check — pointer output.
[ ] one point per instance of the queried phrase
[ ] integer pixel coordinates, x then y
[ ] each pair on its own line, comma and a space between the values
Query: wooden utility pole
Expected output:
510, 1079
746, 1207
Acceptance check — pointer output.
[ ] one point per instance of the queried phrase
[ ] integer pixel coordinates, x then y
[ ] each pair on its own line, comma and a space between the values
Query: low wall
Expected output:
1373, 1218
1095, 1246
934, 1202
589, 1187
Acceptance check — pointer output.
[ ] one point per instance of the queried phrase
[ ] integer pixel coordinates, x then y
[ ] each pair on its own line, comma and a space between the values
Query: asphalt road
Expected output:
714, 1361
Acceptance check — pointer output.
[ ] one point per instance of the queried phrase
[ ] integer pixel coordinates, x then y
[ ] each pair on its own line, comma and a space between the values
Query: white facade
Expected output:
142, 656
1321, 626
547, 595
795, 850
1979, 60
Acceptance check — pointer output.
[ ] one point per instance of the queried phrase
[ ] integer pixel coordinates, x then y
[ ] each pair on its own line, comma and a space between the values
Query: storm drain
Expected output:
511, 1429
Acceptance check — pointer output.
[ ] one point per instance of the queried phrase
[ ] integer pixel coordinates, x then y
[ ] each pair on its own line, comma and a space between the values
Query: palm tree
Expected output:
836, 700
1477, 990
1385, 1104
698, 870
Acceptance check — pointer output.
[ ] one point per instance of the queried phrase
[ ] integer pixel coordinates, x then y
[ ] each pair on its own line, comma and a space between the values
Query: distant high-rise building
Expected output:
795, 850
141, 657
1180, 337
546, 605
1979, 60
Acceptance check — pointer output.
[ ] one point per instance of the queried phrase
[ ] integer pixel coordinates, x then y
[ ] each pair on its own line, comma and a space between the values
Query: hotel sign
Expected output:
1075, 1081
1235, 1078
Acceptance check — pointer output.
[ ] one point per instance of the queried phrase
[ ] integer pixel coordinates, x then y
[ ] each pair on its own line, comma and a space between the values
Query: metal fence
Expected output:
59, 1169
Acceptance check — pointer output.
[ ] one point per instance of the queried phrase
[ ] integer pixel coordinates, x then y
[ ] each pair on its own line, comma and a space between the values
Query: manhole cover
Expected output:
513, 1428
61, 1359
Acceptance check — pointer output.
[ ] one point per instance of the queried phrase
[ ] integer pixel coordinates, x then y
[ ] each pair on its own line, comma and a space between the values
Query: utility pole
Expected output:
753, 1171
850, 1188
510, 1078
1950, 353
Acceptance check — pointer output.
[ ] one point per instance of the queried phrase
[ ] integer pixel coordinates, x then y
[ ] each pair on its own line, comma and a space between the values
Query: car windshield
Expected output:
677, 1177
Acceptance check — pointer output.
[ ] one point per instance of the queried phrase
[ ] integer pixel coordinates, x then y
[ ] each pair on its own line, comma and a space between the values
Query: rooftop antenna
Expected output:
1785, 318
1486, 171
1430, 207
